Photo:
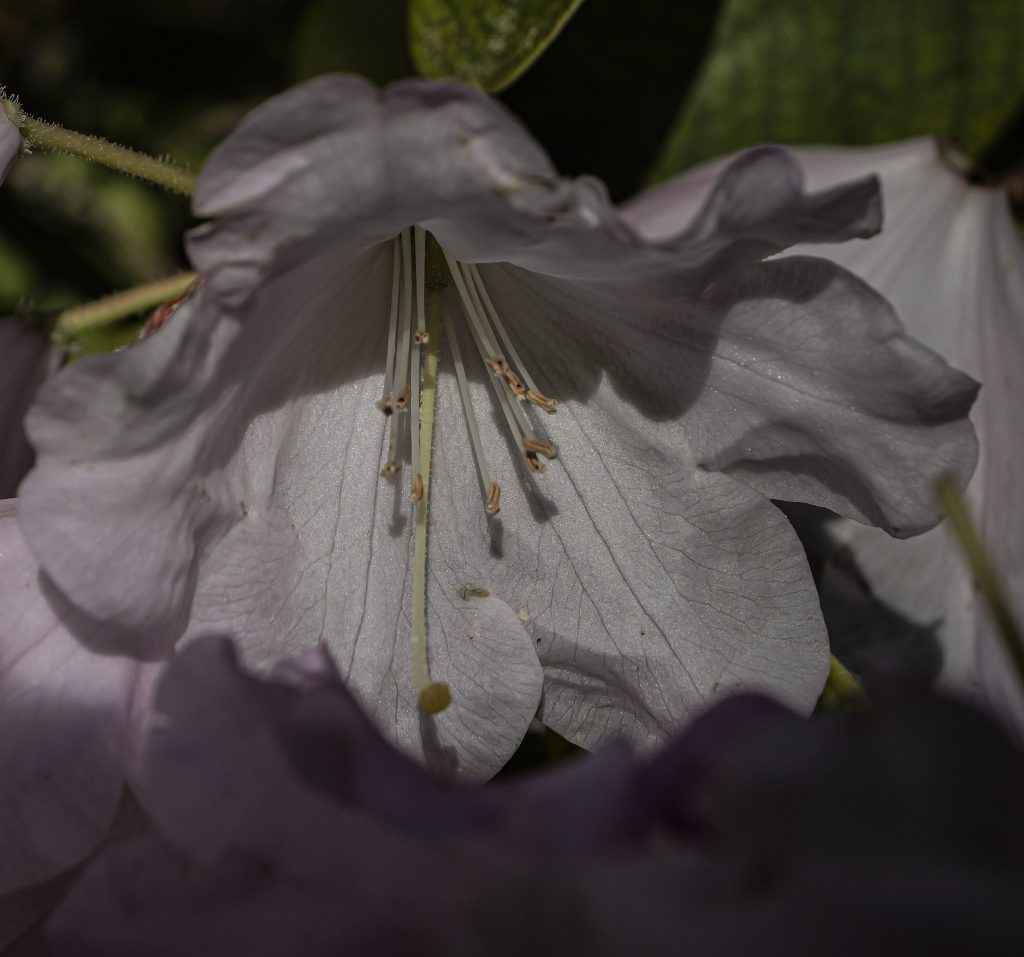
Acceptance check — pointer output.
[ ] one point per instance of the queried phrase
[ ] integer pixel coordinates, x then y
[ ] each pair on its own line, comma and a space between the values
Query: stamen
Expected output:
384, 404
518, 424
514, 382
474, 428
499, 366
535, 464
421, 337
507, 406
414, 407
531, 386
540, 448
493, 503
402, 356
542, 401
489, 350
417, 488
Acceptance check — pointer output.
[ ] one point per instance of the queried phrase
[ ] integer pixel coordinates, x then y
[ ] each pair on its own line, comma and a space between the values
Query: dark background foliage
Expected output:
626, 89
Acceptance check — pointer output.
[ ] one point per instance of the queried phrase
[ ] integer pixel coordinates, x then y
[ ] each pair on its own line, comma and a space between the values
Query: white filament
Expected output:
467, 407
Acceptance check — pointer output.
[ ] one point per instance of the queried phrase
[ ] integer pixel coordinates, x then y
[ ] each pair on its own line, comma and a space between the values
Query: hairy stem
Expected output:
49, 136
91, 315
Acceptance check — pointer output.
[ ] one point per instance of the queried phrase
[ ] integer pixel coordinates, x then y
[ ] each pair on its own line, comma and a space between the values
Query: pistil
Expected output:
431, 696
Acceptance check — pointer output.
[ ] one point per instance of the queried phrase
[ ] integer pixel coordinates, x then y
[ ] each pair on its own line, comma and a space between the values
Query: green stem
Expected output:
49, 136
73, 322
985, 576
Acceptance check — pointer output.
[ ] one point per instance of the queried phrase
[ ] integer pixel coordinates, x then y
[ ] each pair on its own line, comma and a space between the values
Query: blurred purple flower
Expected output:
950, 259
65, 722
222, 476
287, 824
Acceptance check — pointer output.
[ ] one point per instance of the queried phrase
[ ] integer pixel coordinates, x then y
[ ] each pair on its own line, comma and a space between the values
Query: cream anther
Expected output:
514, 382
542, 401
493, 503
535, 464
538, 447
417, 488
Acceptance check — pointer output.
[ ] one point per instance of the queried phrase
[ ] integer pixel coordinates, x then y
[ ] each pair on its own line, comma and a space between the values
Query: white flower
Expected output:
224, 474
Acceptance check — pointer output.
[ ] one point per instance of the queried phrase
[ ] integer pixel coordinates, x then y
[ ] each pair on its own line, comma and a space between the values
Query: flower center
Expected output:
408, 402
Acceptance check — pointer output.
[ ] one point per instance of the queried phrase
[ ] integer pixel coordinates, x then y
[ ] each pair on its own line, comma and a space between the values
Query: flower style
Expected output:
224, 475
951, 261
285, 823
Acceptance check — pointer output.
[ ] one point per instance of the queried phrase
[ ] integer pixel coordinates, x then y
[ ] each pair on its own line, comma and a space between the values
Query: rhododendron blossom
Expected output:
567, 510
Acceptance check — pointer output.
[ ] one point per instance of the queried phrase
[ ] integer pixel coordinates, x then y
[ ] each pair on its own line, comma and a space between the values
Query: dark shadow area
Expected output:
882, 647
442, 761
604, 95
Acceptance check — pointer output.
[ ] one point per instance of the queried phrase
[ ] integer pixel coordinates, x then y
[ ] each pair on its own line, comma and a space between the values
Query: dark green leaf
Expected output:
853, 71
487, 43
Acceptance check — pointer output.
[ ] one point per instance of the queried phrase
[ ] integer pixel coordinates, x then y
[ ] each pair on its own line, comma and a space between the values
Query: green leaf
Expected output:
487, 43
852, 72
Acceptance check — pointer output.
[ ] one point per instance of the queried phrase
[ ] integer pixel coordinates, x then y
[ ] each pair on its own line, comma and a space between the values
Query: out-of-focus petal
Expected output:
64, 725
755, 831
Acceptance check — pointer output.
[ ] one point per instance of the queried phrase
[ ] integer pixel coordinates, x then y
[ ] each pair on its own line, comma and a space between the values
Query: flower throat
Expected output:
422, 271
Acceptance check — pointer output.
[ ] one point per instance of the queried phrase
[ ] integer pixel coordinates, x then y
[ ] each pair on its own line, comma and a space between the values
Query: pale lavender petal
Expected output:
952, 263
791, 375
278, 802
64, 714
336, 162
647, 585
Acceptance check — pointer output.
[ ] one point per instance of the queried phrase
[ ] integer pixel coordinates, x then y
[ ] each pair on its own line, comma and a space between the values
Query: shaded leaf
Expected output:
852, 71
487, 43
